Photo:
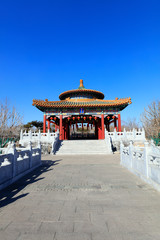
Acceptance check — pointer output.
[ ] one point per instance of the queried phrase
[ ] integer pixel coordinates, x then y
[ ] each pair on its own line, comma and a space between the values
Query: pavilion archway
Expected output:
82, 126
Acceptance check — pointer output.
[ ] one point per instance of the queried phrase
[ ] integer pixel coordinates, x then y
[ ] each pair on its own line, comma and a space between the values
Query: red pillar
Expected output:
99, 129
102, 125
60, 129
119, 122
44, 123
48, 125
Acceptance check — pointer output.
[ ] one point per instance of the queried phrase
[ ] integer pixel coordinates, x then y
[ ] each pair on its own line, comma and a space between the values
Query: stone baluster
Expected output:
131, 154
121, 151
146, 151
40, 149
12, 150
39, 135
30, 135
21, 135
48, 135
29, 147
115, 134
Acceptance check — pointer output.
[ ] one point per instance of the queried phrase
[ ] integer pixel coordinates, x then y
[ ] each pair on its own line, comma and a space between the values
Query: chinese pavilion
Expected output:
82, 107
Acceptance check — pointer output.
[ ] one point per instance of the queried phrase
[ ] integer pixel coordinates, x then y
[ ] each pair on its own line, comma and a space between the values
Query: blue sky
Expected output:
47, 46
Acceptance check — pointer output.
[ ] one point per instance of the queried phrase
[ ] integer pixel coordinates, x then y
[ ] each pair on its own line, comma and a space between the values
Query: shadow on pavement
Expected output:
7, 195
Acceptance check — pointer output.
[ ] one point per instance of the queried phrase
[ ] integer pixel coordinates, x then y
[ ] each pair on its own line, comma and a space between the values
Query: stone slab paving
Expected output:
80, 198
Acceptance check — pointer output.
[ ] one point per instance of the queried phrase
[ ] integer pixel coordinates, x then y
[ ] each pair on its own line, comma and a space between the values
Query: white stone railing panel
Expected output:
144, 162
6, 172
134, 135
16, 163
35, 137
55, 144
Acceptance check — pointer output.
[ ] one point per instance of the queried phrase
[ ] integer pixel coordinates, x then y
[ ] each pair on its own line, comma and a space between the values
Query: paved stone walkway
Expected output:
80, 198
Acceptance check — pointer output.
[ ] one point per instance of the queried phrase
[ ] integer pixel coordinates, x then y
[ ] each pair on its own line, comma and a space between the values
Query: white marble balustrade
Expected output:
134, 135
16, 163
143, 161
35, 137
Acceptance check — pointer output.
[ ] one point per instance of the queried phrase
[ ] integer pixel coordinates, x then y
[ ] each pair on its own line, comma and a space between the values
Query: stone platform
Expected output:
80, 198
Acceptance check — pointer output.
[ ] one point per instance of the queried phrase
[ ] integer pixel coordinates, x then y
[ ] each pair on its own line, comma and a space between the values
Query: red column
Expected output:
63, 129
44, 123
60, 129
48, 125
99, 129
102, 125
119, 122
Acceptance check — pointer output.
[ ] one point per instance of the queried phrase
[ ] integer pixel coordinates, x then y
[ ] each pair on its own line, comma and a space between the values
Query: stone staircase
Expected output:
70, 147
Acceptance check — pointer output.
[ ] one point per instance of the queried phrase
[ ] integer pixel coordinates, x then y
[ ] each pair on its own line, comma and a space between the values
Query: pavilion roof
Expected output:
80, 103
80, 91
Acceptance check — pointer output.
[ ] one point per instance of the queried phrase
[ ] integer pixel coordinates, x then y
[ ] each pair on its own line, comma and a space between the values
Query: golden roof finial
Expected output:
81, 86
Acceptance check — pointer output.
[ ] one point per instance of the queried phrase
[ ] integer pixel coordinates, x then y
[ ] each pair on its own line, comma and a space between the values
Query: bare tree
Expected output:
151, 119
130, 124
10, 120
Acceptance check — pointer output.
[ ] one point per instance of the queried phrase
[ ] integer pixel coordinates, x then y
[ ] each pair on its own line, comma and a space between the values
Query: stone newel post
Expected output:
146, 150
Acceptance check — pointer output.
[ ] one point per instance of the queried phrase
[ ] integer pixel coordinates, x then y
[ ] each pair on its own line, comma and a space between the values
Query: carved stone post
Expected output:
40, 149
30, 135
146, 150
21, 135
13, 151
30, 154
121, 152
131, 154
39, 135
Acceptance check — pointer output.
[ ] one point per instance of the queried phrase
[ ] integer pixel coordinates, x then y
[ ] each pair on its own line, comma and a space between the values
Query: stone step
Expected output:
89, 153
83, 147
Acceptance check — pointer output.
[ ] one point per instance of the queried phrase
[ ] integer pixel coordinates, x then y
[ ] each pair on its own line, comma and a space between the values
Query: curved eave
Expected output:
66, 94
43, 105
